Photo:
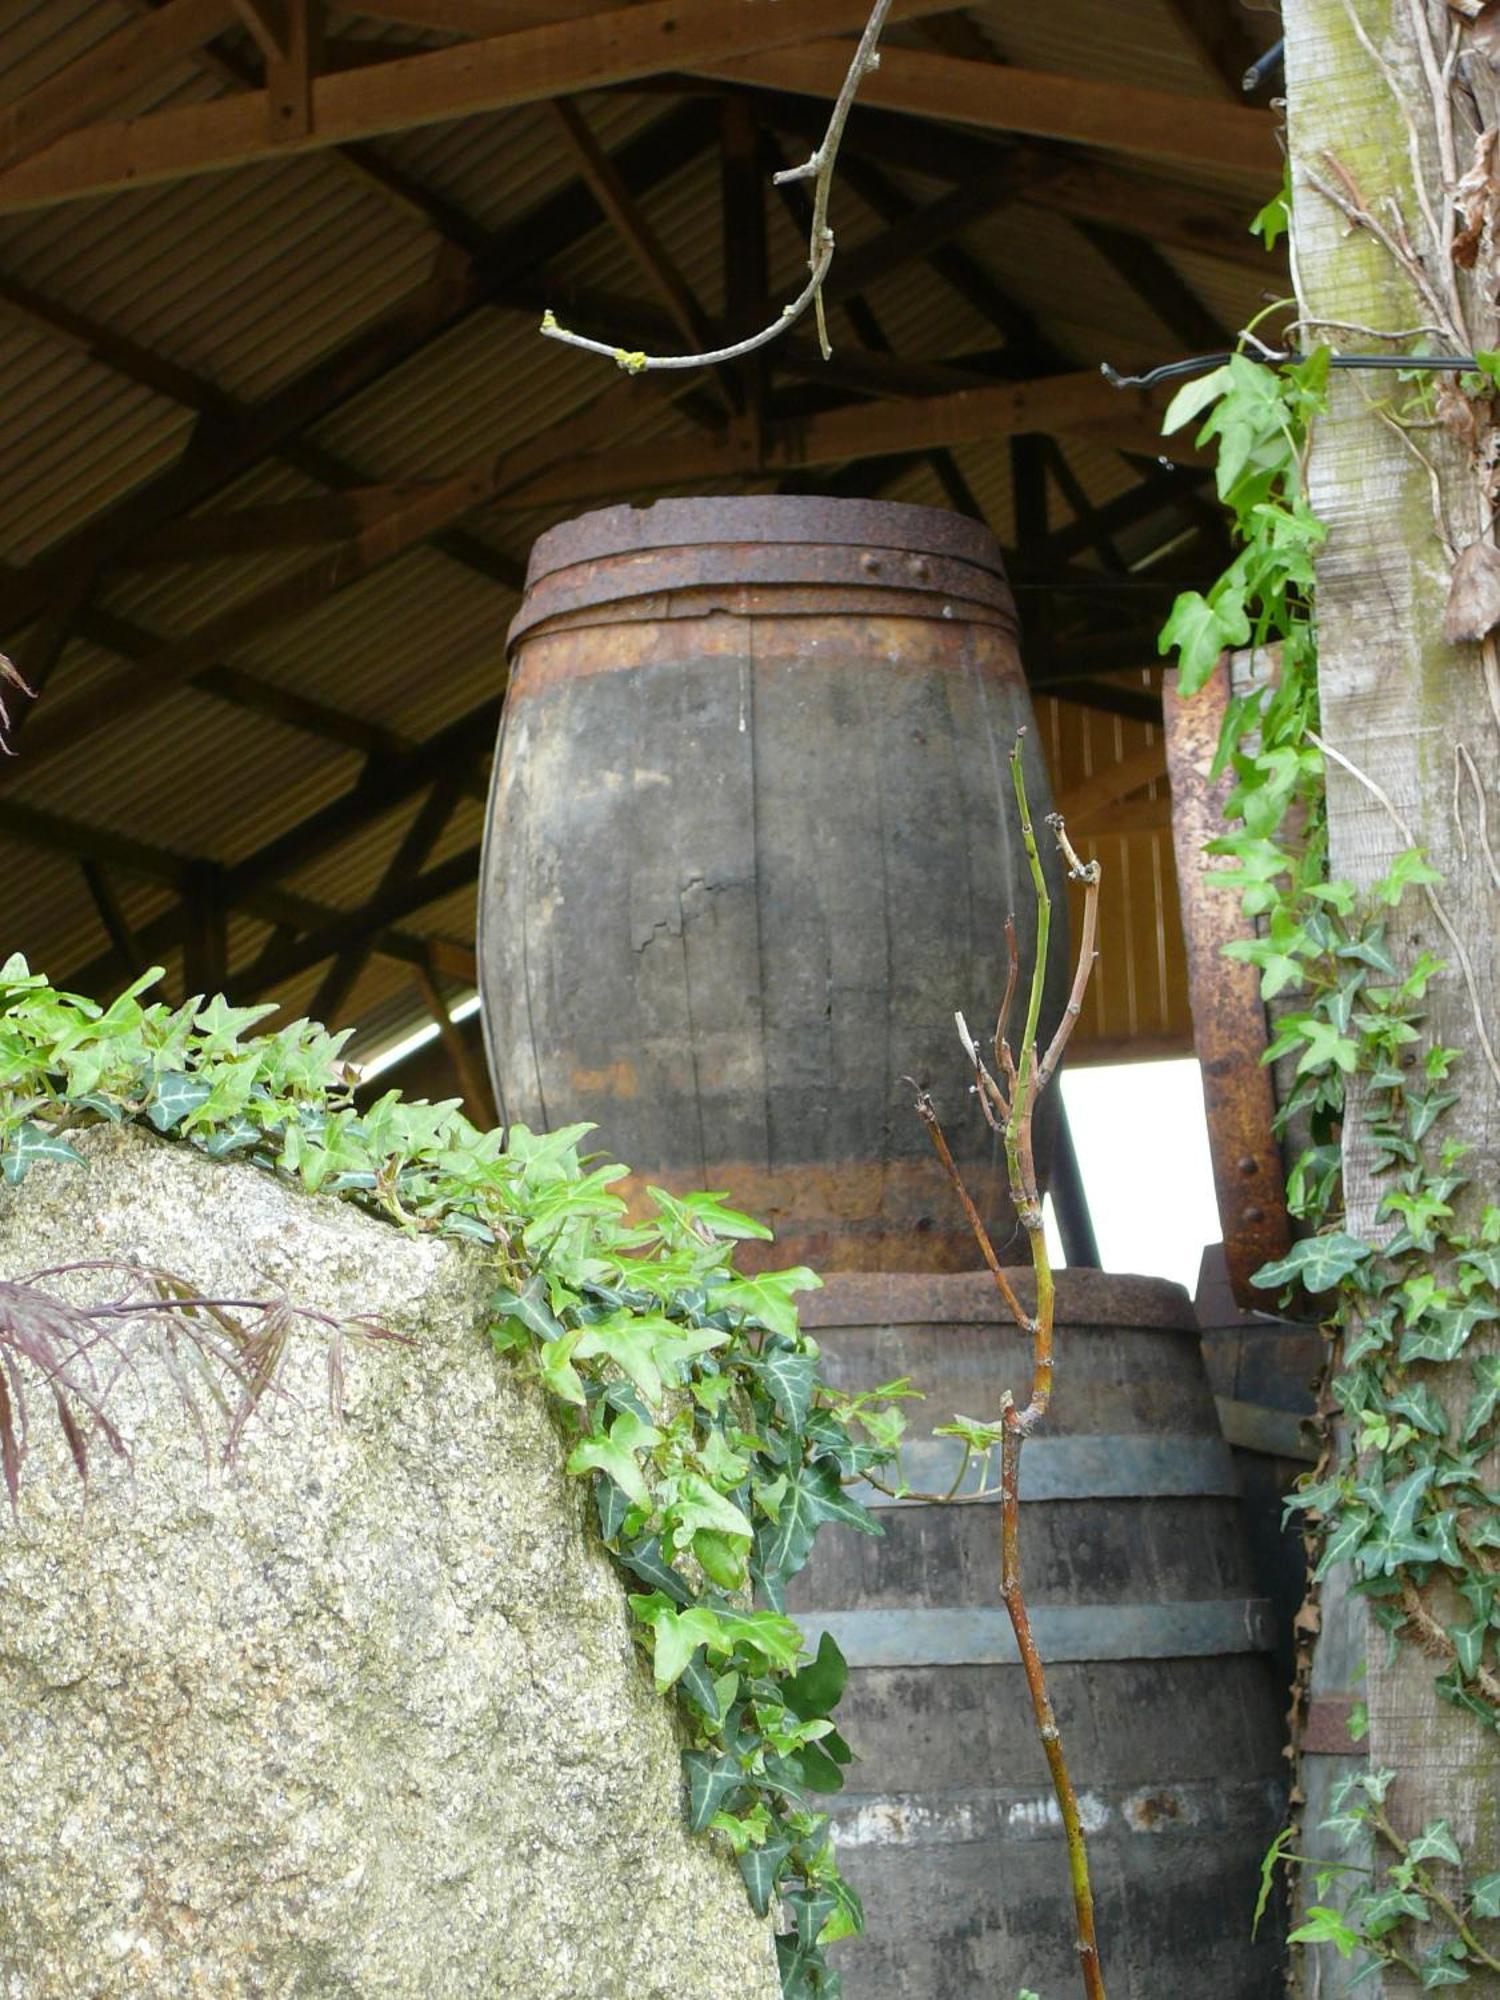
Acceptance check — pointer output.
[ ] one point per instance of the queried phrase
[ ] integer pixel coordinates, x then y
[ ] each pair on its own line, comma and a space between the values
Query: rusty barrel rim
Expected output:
1105, 1300
781, 544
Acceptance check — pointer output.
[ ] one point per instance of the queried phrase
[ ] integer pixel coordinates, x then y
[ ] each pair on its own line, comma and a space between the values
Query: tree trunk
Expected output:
1401, 704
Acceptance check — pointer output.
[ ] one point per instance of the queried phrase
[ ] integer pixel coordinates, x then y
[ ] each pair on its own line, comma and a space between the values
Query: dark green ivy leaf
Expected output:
760, 1866
817, 1771
712, 1784
790, 1378
28, 1144
816, 1689
176, 1096
697, 1683
813, 1496
646, 1560
530, 1307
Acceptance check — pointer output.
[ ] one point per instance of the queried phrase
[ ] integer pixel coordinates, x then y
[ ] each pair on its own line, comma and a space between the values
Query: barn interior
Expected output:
280, 429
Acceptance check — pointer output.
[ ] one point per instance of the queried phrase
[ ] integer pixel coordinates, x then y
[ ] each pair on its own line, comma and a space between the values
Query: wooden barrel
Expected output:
1139, 1582
752, 841
1263, 1371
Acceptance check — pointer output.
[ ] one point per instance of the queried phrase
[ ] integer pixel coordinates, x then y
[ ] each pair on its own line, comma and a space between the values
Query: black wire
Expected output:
1195, 364
1265, 66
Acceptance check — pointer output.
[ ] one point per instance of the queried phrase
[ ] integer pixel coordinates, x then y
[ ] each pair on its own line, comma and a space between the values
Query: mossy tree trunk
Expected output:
1397, 700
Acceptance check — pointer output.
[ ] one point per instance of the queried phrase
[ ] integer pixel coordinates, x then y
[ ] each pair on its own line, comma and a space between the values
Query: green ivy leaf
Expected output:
1346, 1532
1435, 1843
790, 1377
813, 1496
1198, 632
1319, 1263
1409, 870
1484, 1896
615, 1453
714, 1784
1193, 398
760, 1867
529, 1306
1323, 1925
817, 1688
1486, 1372
28, 1144
174, 1098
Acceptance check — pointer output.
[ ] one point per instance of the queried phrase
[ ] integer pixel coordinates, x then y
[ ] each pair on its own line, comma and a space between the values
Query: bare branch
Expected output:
818, 168
927, 1112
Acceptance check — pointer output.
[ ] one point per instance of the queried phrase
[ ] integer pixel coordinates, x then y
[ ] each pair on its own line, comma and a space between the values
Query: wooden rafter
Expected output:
234, 437
292, 70
1081, 404
134, 55
625, 216
101, 888
523, 67
269, 23
413, 851
1125, 118
98, 849
566, 464
1220, 34
1143, 204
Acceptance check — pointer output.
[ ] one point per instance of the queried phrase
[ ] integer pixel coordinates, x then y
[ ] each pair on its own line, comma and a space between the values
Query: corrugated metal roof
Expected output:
247, 279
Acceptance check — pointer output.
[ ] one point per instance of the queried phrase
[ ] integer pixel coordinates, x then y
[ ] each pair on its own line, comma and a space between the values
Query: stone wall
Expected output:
358, 1715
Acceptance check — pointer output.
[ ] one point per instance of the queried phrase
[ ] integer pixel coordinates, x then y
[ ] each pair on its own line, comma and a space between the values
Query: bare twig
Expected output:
1461, 753
927, 1112
818, 168
1028, 1076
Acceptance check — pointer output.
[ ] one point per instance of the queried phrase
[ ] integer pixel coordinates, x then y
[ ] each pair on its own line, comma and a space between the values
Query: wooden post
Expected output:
1397, 700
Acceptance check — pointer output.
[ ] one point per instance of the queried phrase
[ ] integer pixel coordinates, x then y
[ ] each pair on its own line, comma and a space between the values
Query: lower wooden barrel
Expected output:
1140, 1585
1262, 1371
752, 840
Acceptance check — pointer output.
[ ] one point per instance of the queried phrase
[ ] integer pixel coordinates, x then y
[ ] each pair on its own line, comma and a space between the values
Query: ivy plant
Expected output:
688, 1396
1401, 1496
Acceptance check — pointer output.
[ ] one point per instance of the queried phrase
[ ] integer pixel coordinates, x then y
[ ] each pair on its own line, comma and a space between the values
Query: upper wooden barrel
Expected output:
752, 841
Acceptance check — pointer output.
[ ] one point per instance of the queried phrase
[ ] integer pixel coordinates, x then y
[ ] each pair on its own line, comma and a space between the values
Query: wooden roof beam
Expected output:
1118, 117
96, 848
413, 851
1080, 404
1112, 193
1220, 35
240, 436
377, 914
621, 210
124, 61
522, 67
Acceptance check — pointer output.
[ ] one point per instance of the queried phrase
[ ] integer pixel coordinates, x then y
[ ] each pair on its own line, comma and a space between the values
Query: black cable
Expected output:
1194, 364
1264, 66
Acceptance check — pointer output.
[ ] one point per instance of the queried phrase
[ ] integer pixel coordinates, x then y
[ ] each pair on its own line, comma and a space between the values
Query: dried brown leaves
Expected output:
224, 1353
1473, 607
